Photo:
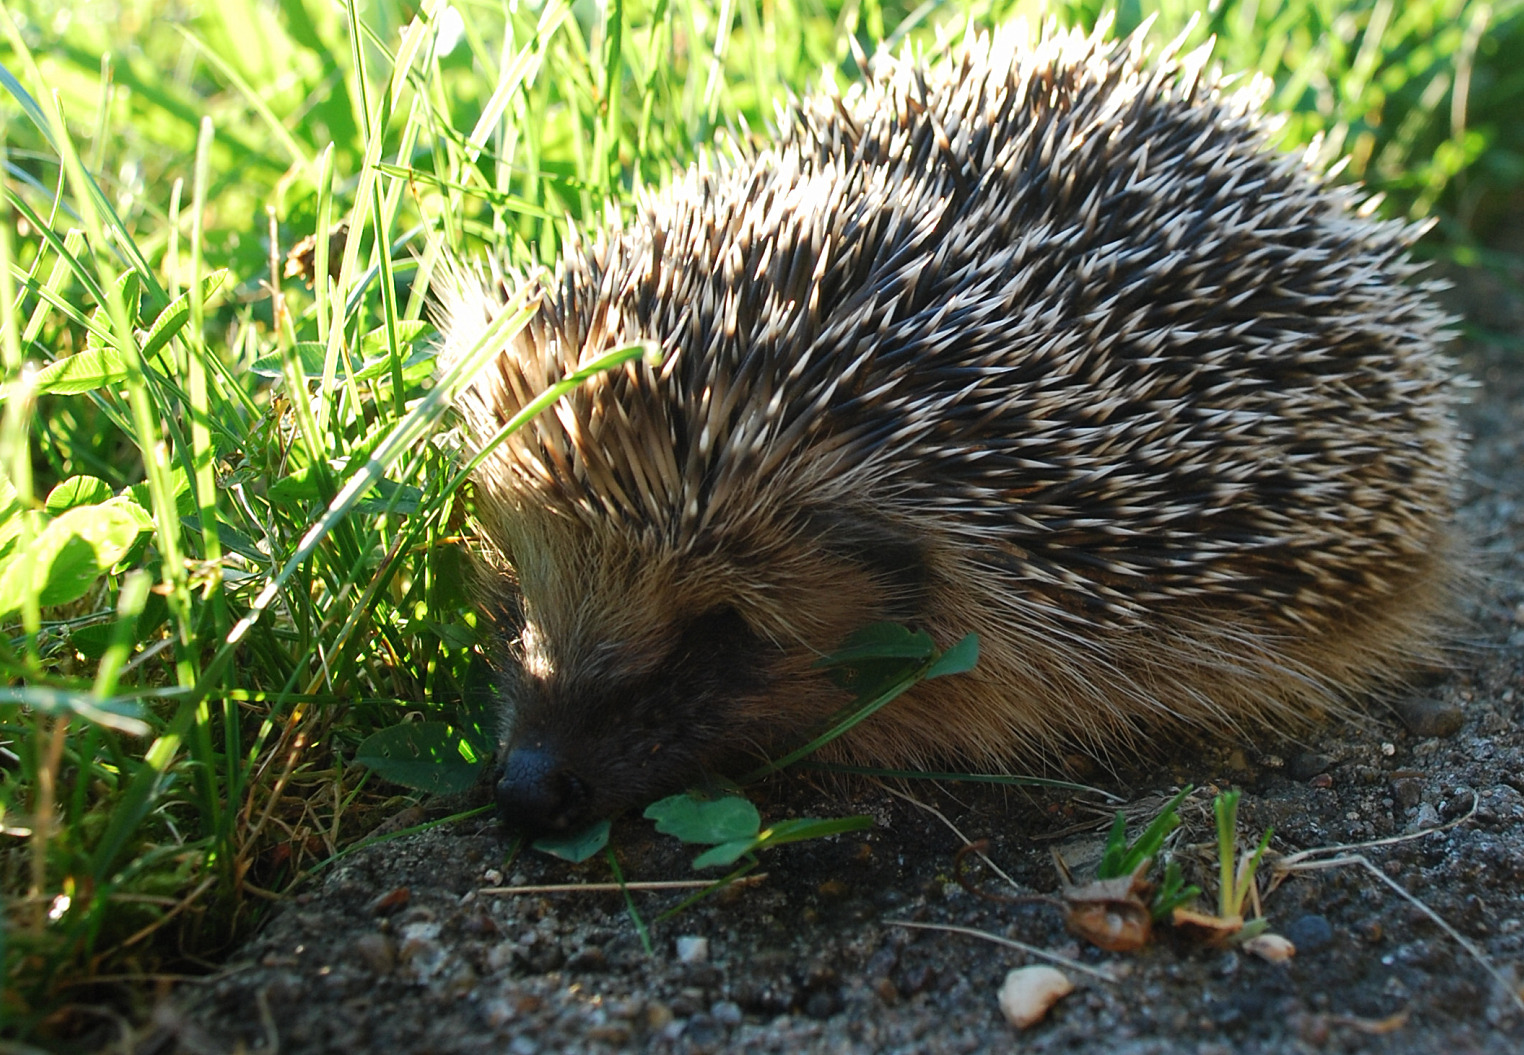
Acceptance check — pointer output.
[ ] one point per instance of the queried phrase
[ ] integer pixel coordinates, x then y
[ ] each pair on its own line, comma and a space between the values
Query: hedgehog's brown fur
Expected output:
1043, 343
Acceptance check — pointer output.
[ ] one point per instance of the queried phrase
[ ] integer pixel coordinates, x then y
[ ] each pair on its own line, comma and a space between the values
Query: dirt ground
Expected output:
399, 948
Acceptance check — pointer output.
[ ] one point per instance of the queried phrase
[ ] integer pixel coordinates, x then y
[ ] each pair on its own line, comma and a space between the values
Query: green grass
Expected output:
270, 565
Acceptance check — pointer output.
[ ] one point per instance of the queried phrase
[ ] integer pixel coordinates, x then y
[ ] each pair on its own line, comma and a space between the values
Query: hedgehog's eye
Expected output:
719, 638
715, 661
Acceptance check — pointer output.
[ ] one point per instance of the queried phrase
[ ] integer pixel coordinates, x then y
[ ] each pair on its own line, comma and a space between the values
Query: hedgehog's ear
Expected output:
887, 551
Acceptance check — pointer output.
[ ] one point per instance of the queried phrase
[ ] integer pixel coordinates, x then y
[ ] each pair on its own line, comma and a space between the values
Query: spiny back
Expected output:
1057, 301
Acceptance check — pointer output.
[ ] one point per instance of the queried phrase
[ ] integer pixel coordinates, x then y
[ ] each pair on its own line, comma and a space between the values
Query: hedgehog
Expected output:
1044, 341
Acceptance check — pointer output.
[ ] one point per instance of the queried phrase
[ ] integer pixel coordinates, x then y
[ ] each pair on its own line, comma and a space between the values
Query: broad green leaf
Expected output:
172, 319
233, 540
881, 641
70, 554
576, 847
10, 501
427, 756
695, 820
388, 495
10, 516
77, 491
789, 831
179, 483
130, 286
418, 364
85, 372
877, 657
309, 359
126, 503
408, 330
479, 714
392, 497
298, 486
958, 659
454, 635
724, 854
92, 640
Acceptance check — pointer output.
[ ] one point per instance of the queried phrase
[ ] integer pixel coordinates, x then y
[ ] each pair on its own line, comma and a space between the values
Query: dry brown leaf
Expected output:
1206, 928
1110, 913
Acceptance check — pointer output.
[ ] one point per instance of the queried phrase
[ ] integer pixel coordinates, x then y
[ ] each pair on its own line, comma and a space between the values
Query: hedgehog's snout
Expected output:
537, 792
588, 738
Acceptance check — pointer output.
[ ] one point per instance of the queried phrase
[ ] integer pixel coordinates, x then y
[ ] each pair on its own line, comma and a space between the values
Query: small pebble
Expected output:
1408, 791
1028, 992
501, 955
701, 1034
616, 1034
392, 901
1310, 933
821, 1004
589, 958
687, 1003
497, 1012
691, 949
376, 953
423, 930
727, 1013
833, 888
1427, 817
628, 1010
1305, 765
915, 978
1429, 717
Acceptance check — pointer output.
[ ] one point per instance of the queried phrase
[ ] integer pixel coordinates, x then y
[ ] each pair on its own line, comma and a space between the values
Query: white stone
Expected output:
1271, 947
692, 949
1028, 992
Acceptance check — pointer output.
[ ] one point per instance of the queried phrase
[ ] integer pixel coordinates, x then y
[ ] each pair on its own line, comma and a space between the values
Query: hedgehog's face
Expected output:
639, 719
638, 675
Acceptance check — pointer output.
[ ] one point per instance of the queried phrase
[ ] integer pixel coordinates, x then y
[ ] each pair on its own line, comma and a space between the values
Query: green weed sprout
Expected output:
1234, 885
1122, 858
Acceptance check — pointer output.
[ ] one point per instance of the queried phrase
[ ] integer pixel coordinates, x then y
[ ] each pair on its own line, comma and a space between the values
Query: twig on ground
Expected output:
606, 888
1031, 950
1309, 861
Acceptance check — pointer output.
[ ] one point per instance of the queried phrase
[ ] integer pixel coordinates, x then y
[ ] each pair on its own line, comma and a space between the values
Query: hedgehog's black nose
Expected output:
537, 793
